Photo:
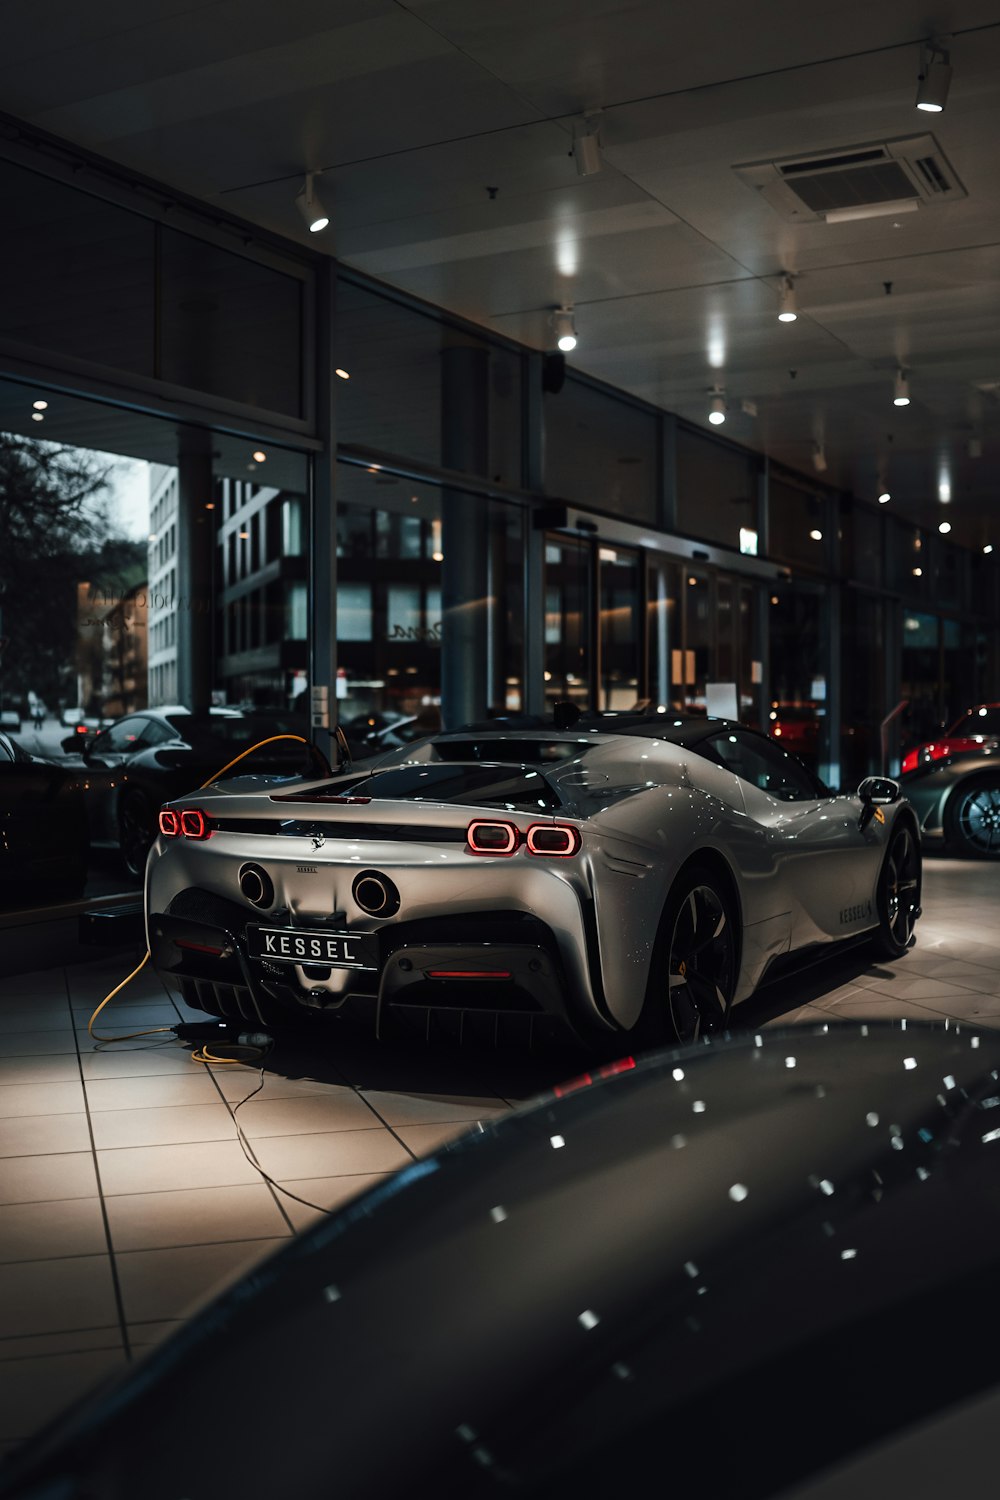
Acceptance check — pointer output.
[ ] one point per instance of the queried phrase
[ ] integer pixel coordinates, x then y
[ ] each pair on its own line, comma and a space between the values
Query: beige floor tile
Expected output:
54, 1069
34, 1390
41, 1135
194, 1216
49, 1296
801, 1015
52, 1231
236, 1083
37, 1043
37, 1179
134, 1062
305, 1115
162, 1091
20, 1099
432, 1109
158, 1284
326, 1193
422, 1140
338, 1154
34, 1018
152, 1169
72, 1341
175, 1125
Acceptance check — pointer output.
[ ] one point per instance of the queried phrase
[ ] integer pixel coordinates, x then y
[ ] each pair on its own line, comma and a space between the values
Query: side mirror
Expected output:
70, 745
879, 790
876, 792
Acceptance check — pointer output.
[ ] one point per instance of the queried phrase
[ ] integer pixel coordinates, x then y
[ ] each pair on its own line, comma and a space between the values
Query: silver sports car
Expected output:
625, 873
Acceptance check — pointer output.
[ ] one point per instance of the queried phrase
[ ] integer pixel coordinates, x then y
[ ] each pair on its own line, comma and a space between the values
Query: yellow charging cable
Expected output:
202, 1054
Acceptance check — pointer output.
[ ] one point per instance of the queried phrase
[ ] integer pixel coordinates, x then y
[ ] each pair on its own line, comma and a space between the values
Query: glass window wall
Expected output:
716, 489
601, 452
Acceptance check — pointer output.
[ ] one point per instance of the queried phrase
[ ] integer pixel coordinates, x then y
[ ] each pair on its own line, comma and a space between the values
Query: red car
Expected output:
796, 725
975, 726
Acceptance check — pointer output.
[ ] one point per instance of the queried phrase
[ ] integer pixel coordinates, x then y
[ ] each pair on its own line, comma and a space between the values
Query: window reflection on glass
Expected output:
620, 602
391, 635
799, 648
568, 620
663, 588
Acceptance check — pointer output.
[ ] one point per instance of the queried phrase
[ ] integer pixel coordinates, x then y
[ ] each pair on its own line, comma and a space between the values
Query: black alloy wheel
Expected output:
135, 832
898, 896
972, 820
693, 974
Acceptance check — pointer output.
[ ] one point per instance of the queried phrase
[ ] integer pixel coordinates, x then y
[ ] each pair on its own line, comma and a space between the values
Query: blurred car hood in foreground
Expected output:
733, 1264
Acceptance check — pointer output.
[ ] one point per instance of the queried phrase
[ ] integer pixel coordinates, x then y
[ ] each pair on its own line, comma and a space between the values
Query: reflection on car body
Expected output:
636, 873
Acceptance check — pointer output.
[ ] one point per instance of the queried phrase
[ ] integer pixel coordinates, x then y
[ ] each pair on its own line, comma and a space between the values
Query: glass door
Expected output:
569, 620
619, 646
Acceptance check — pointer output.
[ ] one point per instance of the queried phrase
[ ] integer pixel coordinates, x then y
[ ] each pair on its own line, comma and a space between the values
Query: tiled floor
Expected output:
126, 1197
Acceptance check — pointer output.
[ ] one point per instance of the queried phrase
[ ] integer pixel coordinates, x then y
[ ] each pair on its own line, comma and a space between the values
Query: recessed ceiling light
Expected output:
944, 527
36, 416
40, 405
988, 549
884, 498
343, 374
816, 534
918, 572
259, 457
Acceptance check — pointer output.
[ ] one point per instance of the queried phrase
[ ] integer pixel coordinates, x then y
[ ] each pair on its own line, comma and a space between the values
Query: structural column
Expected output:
464, 535
195, 570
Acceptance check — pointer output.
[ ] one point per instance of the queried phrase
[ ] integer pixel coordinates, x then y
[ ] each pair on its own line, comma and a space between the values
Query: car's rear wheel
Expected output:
972, 819
694, 968
898, 896
135, 832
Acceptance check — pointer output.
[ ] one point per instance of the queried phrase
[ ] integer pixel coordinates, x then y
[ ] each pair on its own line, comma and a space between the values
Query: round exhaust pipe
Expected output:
375, 894
256, 885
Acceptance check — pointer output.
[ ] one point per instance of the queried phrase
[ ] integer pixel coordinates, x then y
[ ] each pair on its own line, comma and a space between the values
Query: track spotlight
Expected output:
944, 527
902, 395
587, 148
789, 309
819, 458
311, 206
884, 497
717, 411
934, 79
565, 325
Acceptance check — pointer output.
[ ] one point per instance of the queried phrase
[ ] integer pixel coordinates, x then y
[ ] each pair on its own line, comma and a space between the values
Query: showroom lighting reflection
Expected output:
933, 80
310, 205
565, 325
944, 527
40, 405
343, 374
816, 535
259, 457
884, 498
988, 549
902, 395
37, 416
717, 410
789, 309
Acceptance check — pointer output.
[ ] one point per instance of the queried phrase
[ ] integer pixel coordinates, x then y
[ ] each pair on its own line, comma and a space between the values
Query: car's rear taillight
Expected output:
194, 824
556, 840
492, 838
81, 729
169, 825
910, 760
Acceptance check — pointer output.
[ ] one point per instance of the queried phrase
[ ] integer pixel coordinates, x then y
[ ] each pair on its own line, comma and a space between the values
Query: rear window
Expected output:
513, 788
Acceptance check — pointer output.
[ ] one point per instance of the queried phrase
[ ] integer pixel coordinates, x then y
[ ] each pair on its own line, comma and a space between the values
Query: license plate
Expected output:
337, 950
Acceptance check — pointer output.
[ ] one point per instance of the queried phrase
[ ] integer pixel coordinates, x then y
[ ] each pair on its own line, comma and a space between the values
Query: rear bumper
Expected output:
510, 965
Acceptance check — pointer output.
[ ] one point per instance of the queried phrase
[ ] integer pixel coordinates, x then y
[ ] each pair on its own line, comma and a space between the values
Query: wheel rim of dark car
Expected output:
979, 818
700, 970
902, 885
134, 837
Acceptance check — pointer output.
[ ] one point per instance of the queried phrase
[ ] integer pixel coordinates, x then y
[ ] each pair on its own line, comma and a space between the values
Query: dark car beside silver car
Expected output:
763, 1267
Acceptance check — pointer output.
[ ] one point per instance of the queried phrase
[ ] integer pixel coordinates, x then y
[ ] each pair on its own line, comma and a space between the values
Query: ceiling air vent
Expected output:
857, 182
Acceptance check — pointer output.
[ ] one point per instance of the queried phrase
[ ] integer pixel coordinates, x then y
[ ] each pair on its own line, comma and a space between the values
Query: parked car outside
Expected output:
971, 730
43, 828
147, 758
633, 874
764, 1267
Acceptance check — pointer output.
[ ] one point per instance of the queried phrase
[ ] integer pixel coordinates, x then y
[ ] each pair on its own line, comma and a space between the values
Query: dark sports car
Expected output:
742, 1270
628, 873
956, 796
43, 828
147, 758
